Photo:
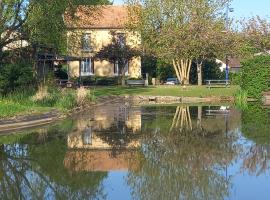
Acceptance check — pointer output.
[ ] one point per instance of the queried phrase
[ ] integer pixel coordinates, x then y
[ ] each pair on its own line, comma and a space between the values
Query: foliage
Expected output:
98, 81
15, 76
236, 78
164, 71
29, 101
256, 32
181, 31
61, 73
241, 99
149, 65
210, 71
37, 21
65, 99
256, 123
13, 15
256, 75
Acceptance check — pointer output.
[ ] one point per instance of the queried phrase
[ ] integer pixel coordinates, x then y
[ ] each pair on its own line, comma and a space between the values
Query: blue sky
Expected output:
243, 8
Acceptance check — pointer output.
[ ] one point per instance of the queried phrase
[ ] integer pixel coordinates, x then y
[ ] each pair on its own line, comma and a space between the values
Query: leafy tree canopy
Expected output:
37, 21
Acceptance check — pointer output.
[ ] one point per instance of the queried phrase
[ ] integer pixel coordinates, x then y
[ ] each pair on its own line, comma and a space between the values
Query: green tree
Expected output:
13, 16
179, 32
43, 30
37, 21
256, 34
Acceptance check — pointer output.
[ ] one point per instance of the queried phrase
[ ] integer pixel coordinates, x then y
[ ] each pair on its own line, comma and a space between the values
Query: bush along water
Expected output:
65, 99
256, 75
241, 99
15, 76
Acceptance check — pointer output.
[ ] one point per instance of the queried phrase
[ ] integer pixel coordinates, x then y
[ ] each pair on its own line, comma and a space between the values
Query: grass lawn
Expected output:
190, 91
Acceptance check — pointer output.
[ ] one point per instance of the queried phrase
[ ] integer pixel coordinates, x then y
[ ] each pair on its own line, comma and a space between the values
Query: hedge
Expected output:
256, 75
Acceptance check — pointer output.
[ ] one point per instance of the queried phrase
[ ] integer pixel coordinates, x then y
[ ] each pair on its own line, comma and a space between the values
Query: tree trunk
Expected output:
199, 119
182, 69
199, 72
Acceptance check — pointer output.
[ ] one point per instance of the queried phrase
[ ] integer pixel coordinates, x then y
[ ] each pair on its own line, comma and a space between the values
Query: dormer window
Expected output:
86, 42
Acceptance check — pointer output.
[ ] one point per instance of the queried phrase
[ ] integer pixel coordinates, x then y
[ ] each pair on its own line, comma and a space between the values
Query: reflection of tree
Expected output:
190, 165
34, 169
181, 119
257, 159
118, 136
256, 126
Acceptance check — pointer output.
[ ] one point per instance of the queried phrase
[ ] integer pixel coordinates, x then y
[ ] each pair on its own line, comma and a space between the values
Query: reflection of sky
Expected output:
246, 186
115, 186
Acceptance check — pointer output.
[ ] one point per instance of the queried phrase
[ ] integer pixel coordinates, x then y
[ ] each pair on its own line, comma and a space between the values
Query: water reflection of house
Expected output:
89, 150
107, 119
102, 160
89, 140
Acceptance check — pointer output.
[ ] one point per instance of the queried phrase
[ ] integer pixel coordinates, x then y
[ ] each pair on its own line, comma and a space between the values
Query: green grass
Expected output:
21, 102
190, 91
10, 109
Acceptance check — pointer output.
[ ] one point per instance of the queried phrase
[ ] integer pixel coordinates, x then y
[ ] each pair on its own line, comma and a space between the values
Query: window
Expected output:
116, 68
87, 136
86, 46
87, 67
121, 39
117, 71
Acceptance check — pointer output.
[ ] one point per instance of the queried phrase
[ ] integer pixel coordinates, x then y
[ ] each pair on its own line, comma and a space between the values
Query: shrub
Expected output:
15, 76
82, 96
106, 80
67, 100
96, 80
236, 78
256, 75
164, 71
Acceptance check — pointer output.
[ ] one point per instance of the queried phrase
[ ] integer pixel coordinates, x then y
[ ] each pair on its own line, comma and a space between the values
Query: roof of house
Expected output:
234, 63
113, 17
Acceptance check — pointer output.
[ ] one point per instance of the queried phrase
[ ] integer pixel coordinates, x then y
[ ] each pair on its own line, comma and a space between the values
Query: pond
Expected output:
123, 151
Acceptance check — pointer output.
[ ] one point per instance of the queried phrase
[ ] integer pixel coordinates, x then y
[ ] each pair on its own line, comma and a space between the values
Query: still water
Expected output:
121, 151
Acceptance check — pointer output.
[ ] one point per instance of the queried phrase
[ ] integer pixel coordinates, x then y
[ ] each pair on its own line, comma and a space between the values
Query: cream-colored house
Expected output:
89, 32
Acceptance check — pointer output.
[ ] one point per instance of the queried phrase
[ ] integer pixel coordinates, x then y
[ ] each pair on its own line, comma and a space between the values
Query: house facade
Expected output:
89, 31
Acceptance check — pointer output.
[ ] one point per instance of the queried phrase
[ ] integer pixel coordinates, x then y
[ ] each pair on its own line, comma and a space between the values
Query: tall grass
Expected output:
30, 100
241, 99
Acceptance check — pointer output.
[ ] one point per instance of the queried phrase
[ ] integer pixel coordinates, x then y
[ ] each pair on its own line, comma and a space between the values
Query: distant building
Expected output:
234, 65
19, 43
